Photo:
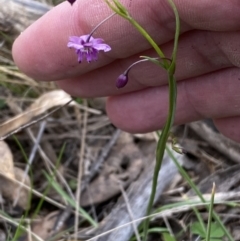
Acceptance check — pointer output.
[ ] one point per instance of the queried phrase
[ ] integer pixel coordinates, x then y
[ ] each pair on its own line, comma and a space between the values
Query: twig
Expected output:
220, 196
102, 157
38, 194
29, 231
31, 158
50, 165
34, 121
161, 214
20, 14
168, 226
129, 211
138, 194
221, 143
93, 171
80, 168
22, 227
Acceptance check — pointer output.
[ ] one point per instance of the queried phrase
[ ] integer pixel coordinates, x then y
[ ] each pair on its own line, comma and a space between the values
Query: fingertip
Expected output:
230, 127
119, 116
132, 114
40, 50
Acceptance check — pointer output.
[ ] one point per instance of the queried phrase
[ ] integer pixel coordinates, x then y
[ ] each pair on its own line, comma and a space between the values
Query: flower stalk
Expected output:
96, 27
172, 94
122, 79
87, 47
170, 67
122, 11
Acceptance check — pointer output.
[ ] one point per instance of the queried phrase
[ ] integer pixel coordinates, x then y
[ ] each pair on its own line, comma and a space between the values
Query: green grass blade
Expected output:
199, 194
208, 235
61, 192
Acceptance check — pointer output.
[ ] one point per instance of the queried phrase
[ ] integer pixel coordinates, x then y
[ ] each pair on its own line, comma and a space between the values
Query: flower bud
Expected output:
71, 1
121, 81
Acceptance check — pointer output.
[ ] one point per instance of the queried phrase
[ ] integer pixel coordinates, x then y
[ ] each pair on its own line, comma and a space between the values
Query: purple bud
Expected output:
71, 1
121, 81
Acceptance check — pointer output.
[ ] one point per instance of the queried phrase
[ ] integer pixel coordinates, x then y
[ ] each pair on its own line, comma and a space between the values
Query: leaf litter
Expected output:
108, 160
8, 173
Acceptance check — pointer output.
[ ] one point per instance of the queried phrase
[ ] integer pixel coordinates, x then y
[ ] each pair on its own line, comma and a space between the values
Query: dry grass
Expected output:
68, 156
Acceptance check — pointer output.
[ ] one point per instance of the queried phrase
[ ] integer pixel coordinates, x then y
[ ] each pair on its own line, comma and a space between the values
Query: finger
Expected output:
229, 127
41, 50
199, 52
214, 95
210, 15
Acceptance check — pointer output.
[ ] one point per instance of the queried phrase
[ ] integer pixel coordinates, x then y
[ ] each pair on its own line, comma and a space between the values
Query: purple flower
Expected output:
86, 47
71, 1
121, 81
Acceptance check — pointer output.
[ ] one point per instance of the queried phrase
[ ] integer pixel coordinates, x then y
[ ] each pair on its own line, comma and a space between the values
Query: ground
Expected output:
67, 172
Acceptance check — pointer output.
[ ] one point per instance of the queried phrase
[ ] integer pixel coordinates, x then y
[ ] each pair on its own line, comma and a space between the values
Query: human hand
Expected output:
207, 71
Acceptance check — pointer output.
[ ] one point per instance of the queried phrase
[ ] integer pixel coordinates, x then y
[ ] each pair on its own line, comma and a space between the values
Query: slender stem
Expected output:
208, 235
91, 33
137, 62
149, 39
144, 33
161, 146
177, 32
170, 118
170, 67
199, 218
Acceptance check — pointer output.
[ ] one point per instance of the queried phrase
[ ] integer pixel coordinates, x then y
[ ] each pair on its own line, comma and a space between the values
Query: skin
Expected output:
207, 71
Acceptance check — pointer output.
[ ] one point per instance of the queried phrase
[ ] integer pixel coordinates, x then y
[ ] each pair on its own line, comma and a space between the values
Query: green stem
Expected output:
199, 218
149, 39
170, 67
208, 235
144, 33
170, 119
161, 147
177, 32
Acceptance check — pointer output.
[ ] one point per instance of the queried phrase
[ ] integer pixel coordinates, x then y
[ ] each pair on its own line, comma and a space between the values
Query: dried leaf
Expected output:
3, 236
23, 193
106, 186
8, 173
41, 105
225, 180
44, 227
6, 160
55, 98
124, 167
236, 232
10, 189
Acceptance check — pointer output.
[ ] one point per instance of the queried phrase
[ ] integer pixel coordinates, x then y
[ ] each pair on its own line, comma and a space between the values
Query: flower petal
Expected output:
104, 47
94, 54
80, 56
97, 41
75, 39
87, 48
89, 57
76, 46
